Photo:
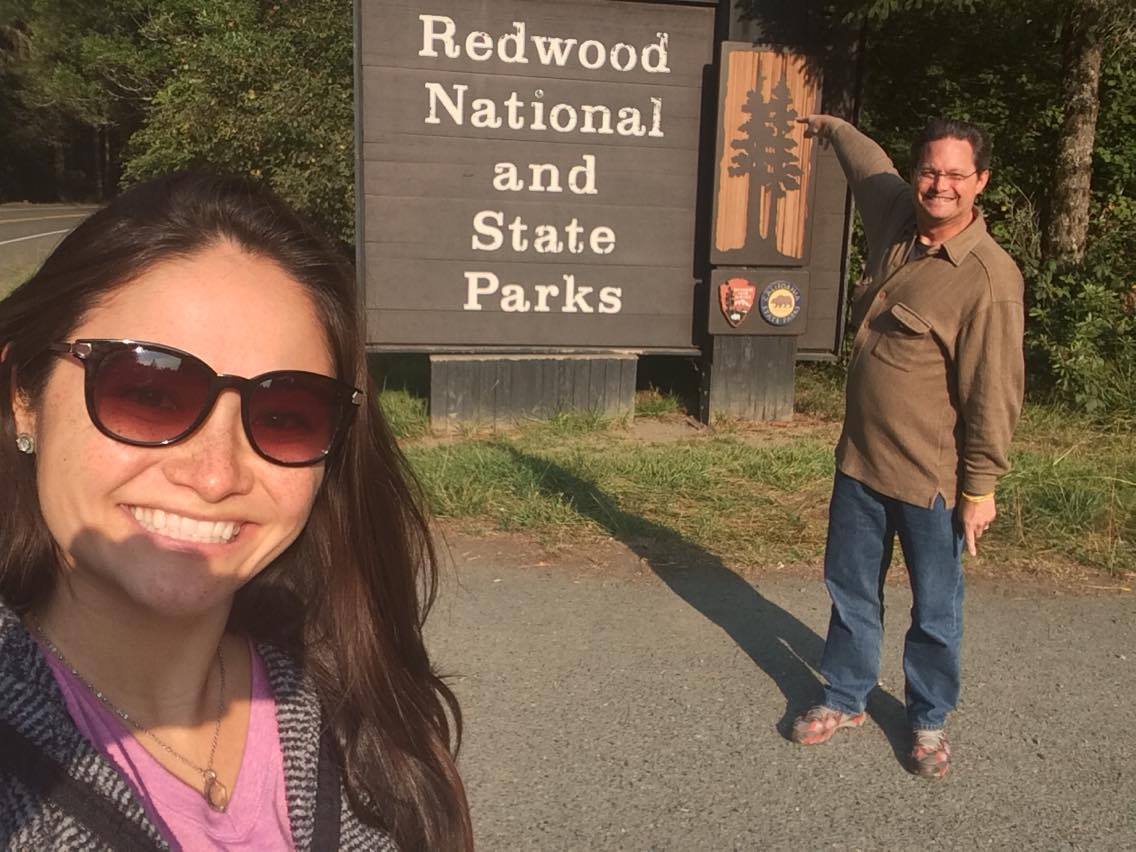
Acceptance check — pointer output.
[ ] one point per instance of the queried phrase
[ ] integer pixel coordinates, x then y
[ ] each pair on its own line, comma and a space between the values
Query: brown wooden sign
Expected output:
765, 167
528, 171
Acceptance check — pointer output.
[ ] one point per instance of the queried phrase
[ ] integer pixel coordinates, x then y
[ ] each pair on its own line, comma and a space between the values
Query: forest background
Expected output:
94, 97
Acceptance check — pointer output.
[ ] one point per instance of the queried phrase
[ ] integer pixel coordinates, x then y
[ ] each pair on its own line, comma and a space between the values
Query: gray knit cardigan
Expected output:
58, 792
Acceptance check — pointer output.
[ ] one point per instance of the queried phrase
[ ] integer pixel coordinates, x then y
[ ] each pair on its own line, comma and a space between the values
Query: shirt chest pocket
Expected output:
906, 339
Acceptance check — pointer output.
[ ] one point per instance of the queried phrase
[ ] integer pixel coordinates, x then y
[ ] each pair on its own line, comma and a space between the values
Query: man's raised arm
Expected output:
876, 185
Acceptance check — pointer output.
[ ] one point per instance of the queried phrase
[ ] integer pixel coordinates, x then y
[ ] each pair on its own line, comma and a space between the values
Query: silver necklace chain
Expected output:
215, 793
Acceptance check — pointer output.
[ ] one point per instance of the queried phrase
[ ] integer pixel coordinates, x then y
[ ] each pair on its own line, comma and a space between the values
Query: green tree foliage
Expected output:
259, 89
76, 78
1082, 331
247, 86
1090, 30
87, 61
265, 88
1008, 65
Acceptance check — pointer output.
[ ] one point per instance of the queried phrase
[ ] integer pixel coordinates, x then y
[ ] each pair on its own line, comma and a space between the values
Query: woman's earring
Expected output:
25, 443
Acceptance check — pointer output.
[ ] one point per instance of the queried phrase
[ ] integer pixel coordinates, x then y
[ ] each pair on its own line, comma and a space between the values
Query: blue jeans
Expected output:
862, 526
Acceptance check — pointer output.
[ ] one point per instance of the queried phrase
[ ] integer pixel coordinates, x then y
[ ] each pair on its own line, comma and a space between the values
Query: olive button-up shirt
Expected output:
936, 375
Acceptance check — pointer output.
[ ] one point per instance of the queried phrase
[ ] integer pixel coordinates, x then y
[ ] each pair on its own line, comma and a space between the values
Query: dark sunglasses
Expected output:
151, 395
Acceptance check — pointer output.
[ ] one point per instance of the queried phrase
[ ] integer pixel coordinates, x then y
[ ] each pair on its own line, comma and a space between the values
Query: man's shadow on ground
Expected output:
781, 646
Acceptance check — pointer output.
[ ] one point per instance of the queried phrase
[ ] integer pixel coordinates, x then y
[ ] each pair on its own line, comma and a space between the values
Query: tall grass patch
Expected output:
1082, 507
757, 498
569, 422
819, 390
653, 402
405, 412
485, 479
702, 493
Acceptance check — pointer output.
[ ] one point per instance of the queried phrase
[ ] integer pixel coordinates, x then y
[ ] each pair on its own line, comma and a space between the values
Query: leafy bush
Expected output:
1081, 338
259, 90
1081, 328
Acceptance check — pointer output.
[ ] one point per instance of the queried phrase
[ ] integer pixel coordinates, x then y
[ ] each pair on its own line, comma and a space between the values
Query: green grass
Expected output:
717, 495
568, 424
12, 277
754, 496
1070, 498
405, 413
655, 403
1072, 489
819, 390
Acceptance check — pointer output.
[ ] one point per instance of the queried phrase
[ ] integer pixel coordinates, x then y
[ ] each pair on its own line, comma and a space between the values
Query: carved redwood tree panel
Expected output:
765, 169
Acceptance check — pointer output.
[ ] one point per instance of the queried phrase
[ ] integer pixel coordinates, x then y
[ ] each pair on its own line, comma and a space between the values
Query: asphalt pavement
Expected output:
631, 699
28, 233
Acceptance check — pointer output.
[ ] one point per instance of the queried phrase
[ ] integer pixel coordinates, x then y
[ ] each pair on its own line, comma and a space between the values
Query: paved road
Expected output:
28, 233
614, 702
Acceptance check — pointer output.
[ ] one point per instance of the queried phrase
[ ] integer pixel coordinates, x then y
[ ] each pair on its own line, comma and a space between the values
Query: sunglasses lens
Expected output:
293, 418
148, 396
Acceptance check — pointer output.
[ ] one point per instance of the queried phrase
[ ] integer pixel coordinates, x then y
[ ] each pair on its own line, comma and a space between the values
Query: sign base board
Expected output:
496, 390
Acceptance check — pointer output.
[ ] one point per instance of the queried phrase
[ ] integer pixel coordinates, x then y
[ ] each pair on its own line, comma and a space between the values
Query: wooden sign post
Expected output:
779, 229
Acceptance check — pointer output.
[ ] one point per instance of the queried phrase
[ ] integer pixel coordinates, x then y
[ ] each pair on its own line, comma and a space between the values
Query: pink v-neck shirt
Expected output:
256, 819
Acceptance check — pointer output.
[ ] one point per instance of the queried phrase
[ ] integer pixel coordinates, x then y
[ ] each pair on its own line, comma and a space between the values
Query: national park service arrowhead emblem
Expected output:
780, 303
736, 297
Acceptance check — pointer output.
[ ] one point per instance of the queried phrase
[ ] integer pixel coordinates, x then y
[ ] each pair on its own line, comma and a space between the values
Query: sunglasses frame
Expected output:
90, 352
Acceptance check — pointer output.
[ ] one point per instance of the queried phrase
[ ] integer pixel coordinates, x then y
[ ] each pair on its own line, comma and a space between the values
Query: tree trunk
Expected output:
59, 169
753, 211
106, 164
1068, 222
97, 162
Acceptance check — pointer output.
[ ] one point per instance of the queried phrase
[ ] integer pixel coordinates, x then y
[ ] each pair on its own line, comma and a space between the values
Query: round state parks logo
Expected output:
780, 303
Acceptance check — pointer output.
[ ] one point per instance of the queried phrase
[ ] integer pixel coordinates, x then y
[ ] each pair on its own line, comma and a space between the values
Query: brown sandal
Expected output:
818, 724
931, 754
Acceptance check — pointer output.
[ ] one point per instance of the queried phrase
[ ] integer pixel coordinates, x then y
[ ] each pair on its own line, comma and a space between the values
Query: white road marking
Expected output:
43, 218
34, 236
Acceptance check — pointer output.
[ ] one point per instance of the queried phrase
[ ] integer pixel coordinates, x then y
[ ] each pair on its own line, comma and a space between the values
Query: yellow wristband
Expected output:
977, 498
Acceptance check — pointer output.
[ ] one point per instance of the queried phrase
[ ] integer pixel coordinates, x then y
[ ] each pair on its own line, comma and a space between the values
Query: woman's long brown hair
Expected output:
349, 597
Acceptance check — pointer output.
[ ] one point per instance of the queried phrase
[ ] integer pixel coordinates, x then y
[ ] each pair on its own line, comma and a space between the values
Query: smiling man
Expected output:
935, 383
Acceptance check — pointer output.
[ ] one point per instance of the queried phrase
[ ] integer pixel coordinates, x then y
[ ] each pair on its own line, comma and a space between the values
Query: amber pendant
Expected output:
216, 793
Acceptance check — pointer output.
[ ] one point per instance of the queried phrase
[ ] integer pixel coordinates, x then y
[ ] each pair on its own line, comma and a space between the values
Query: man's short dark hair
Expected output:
951, 128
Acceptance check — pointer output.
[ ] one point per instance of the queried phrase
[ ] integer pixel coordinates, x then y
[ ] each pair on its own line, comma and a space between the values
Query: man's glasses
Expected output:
150, 395
929, 175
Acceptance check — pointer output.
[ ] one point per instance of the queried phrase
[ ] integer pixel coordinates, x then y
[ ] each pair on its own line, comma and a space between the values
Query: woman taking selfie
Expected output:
213, 572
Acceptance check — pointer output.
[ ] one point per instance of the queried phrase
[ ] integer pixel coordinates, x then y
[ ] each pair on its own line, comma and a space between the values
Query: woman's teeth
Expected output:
185, 529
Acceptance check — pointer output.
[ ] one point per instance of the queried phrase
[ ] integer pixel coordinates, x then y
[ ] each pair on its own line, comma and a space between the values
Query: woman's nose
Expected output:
215, 460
